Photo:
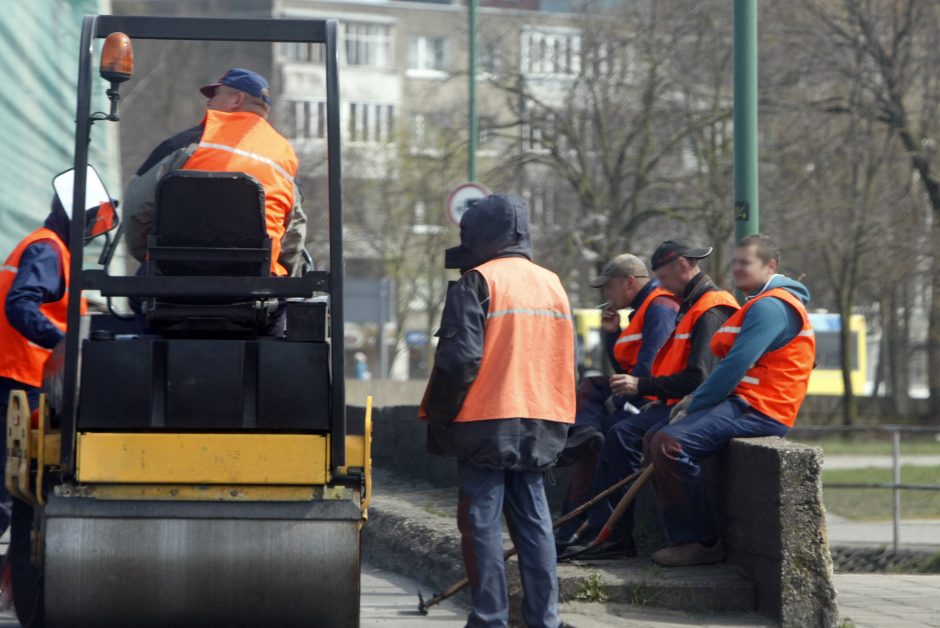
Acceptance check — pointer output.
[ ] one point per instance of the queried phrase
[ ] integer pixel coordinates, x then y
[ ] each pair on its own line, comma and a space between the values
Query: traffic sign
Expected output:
462, 197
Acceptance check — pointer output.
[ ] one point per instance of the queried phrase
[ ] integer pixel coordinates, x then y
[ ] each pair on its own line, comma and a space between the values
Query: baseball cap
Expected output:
242, 80
625, 265
672, 249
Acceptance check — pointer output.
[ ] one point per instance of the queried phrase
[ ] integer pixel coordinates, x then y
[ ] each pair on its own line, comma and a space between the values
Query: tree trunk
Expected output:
933, 334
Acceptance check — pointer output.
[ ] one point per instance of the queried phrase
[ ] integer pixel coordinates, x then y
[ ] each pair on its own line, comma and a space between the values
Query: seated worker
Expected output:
680, 366
34, 283
624, 282
234, 136
500, 399
767, 352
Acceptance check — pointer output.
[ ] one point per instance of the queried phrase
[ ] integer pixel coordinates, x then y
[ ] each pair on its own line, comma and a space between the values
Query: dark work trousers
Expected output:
677, 450
485, 495
7, 385
593, 392
621, 456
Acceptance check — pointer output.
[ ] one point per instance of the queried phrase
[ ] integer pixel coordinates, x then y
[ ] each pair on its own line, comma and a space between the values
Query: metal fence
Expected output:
896, 486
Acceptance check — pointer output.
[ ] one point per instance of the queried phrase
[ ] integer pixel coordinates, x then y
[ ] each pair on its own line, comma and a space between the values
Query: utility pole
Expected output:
472, 98
746, 196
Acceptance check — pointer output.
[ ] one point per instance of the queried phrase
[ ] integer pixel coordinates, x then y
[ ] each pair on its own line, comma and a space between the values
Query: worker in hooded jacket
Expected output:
501, 397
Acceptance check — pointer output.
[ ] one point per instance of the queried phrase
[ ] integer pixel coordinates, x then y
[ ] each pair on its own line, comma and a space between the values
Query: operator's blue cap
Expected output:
242, 80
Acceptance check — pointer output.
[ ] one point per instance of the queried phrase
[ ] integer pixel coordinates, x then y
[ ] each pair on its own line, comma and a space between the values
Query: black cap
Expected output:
671, 250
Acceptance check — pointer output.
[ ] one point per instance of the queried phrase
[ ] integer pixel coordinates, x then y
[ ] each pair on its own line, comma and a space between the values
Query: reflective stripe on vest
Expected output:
776, 384
527, 369
244, 142
22, 360
628, 345
673, 357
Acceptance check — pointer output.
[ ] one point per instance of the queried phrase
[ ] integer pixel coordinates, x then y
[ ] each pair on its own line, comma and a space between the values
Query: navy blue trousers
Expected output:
485, 495
676, 451
621, 456
592, 393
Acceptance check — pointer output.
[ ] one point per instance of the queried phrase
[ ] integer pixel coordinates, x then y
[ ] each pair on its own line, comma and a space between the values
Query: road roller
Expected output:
201, 472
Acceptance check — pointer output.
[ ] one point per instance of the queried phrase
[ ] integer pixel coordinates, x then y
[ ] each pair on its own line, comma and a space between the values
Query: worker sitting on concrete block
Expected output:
767, 352
625, 282
680, 366
500, 399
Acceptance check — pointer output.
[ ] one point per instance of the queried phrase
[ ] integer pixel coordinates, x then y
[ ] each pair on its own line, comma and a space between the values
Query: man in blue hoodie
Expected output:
768, 351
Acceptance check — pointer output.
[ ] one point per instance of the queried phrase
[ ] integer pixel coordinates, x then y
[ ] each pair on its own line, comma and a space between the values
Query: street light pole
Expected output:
472, 97
746, 196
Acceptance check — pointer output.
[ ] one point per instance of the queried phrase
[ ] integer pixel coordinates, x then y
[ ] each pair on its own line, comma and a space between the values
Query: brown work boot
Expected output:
689, 554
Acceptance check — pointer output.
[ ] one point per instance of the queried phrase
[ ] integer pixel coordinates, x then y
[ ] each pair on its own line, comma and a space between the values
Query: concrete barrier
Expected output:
767, 493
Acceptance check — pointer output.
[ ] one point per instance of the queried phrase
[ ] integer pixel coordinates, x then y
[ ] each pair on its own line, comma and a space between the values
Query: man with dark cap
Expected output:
500, 399
681, 365
234, 136
624, 282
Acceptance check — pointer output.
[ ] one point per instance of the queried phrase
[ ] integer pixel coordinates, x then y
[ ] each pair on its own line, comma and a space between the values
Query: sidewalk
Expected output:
851, 461
881, 601
913, 533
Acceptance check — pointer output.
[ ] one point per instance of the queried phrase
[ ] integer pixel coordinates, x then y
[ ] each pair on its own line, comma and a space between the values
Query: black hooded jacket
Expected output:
495, 227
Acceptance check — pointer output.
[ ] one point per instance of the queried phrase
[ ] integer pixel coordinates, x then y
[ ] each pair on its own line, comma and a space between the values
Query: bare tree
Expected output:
898, 42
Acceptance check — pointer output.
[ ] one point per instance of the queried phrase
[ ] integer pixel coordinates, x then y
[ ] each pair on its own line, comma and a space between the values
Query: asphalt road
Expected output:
388, 601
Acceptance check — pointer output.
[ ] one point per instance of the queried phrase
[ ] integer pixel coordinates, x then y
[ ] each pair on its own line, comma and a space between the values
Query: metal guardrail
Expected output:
896, 486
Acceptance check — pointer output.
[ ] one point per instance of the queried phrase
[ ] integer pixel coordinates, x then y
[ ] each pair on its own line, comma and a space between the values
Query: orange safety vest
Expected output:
527, 370
776, 384
673, 357
628, 345
20, 359
241, 141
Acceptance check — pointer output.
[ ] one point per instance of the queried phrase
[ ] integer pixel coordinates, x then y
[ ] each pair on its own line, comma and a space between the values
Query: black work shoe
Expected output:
582, 439
617, 548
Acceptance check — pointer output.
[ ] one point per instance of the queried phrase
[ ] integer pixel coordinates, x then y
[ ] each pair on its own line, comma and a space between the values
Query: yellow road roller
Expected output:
201, 473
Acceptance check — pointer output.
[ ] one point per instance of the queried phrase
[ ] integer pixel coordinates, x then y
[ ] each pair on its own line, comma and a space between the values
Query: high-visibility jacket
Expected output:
527, 370
776, 384
627, 347
20, 359
673, 357
241, 141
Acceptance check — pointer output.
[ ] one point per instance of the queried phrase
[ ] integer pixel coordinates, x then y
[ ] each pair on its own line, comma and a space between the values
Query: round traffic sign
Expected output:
462, 197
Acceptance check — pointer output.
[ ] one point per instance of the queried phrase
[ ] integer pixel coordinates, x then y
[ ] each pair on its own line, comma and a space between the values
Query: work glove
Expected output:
680, 409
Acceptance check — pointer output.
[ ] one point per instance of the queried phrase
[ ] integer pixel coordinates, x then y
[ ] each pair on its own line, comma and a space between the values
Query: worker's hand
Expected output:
679, 410
649, 406
624, 385
610, 320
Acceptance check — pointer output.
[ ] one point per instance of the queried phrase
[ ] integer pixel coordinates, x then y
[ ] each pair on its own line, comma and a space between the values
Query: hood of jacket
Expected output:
496, 226
58, 221
792, 286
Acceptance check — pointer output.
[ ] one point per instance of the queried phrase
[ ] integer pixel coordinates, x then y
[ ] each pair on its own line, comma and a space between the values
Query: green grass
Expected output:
875, 504
873, 447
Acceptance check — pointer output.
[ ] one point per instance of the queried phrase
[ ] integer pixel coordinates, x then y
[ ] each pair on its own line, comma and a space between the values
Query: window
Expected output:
427, 54
368, 44
551, 52
535, 130
303, 52
305, 119
488, 59
372, 123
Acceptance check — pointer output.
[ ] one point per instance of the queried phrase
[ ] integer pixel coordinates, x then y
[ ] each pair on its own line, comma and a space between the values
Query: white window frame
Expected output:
309, 119
369, 122
550, 52
364, 46
421, 57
